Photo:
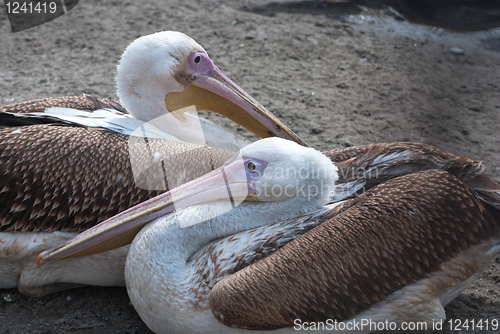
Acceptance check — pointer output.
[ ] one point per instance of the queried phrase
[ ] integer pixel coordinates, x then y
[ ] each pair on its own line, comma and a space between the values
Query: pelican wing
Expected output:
85, 102
83, 110
224, 257
391, 236
363, 167
487, 190
72, 177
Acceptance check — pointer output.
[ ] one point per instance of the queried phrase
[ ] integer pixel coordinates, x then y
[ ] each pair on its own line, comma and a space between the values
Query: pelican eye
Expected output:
251, 166
197, 59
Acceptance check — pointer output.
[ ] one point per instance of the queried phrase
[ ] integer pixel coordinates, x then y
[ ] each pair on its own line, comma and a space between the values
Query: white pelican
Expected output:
59, 179
67, 164
234, 259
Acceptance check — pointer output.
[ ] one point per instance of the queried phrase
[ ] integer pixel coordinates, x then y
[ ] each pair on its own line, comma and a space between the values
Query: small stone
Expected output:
316, 131
456, 51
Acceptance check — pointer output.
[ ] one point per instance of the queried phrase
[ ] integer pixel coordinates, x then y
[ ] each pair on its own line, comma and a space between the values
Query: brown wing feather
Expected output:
85, 102
391, 236
377, 163
487, 190
70, 178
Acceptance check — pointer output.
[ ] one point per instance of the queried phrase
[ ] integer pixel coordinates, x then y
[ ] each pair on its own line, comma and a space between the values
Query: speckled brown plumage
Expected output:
85, 102
26, 208
366, 166
391, 236
70, 178
359, 162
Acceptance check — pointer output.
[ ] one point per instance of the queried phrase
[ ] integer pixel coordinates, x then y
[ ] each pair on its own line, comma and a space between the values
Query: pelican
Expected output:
256, 246
161, 77
68, 163
64, 170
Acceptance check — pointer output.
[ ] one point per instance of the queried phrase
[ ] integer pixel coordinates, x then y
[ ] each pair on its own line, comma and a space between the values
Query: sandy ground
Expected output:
338, 74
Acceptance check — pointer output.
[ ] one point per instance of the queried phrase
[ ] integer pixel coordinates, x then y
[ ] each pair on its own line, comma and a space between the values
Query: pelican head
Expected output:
286, 179
167, 72
289, 172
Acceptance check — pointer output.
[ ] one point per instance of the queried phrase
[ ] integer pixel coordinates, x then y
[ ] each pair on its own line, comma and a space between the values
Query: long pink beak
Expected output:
214, 91
217, 82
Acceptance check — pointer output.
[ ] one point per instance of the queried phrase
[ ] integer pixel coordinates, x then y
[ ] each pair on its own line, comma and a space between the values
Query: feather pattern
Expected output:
363, 167
392, 236
224, 257
71, 178
360, 167
109, 119
85, 102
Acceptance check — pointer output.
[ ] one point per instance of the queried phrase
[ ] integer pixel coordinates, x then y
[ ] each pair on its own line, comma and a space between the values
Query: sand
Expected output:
337, 74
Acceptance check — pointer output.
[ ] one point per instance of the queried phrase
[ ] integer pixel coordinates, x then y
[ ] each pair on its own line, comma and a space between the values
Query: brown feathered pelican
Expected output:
256, 247
68, 163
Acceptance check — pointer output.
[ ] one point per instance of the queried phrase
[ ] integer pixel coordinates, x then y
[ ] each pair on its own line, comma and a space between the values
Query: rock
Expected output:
456, 51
